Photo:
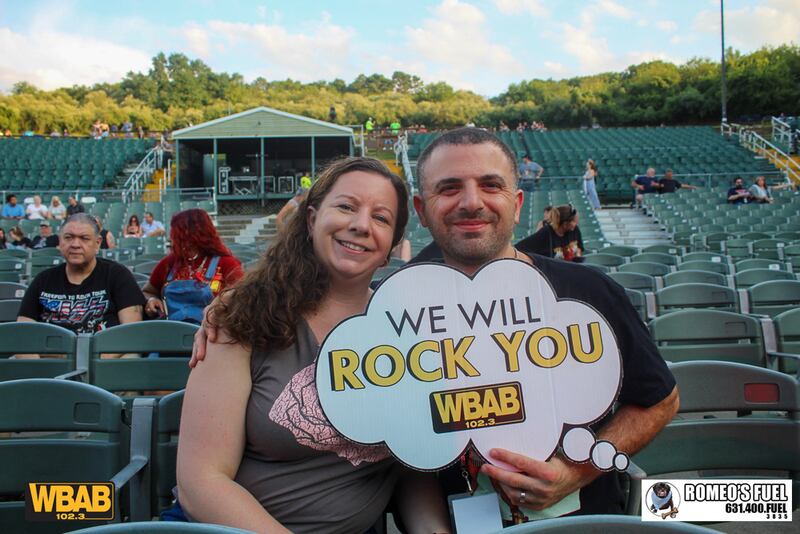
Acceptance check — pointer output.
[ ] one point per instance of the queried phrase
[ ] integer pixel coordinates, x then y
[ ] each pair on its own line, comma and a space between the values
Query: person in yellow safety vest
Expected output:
369, 125
305, 182
395, 126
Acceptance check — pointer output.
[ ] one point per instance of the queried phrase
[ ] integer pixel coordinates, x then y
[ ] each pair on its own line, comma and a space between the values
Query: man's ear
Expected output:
419, 206
519, 199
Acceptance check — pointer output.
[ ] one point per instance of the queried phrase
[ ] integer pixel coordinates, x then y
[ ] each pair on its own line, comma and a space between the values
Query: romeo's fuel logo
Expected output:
663, 500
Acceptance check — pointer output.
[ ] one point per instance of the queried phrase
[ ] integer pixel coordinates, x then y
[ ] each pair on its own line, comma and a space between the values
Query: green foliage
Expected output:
178, 91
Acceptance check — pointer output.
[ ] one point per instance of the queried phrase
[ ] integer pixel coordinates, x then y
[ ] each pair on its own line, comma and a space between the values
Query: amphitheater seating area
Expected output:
37, 164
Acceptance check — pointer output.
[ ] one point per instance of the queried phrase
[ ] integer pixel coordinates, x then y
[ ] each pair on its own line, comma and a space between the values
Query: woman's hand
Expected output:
154, 307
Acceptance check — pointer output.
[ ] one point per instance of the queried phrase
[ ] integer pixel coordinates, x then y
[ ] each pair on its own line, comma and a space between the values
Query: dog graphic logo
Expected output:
663, 500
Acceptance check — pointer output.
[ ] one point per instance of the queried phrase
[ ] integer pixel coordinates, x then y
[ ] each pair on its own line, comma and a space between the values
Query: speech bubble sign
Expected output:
440, 360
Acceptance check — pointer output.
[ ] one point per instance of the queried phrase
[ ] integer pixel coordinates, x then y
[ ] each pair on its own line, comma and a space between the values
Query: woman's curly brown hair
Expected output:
262, 310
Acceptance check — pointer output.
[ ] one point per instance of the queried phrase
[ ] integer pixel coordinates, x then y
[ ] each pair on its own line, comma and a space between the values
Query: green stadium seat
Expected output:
169, 527
621, 250
774, 297
601, 258
751, 277
712, 266
645, 267
172, 340
696, 296
695, 277
691, 335
94, 451
760, 263
703, 256
638, 301
35, 338
638, 281
656, 257
593, 524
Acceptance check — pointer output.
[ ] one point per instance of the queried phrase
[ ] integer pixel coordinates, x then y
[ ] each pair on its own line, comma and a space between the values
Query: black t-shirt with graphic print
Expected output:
85, 308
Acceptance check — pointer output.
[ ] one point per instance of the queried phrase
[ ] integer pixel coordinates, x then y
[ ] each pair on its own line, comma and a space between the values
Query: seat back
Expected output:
638, 281
51, 408
752, 277
645, 267
711, 266
695, 277
689, 335
774, 297
35, 338
171, 339
760, 263
656, 257
696, 296
9, 310
167, 424
12, 290
601, 258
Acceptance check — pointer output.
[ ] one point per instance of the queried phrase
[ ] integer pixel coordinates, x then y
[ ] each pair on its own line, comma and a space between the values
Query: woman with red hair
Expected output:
199, 267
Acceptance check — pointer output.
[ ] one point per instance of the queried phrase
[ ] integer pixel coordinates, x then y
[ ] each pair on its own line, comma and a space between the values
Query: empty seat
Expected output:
695, 277
656, 257
608, 260
774, 297
35, 338
752, 277
638, 281
696, 296
712, 266
645, 267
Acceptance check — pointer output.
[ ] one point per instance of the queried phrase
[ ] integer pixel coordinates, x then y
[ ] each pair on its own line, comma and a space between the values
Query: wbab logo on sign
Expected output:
68, 501
441, 361
716, 500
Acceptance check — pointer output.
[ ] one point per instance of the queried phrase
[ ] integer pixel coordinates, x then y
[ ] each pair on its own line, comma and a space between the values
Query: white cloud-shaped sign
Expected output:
440, 360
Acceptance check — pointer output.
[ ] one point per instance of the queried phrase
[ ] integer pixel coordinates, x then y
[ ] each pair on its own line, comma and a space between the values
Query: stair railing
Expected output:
756, 143
141, 175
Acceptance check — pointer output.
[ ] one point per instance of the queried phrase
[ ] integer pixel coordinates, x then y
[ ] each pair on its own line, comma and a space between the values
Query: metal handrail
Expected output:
756, 143
781, 131
401, 158
142, 174
359, 139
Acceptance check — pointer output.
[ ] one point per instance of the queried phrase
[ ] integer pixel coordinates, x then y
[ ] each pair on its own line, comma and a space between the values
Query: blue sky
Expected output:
482, 45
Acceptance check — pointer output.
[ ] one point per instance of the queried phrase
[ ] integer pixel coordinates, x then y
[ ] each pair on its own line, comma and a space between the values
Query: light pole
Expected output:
723, 80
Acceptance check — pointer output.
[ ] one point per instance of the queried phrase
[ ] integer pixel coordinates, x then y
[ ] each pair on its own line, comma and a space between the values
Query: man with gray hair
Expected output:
84, 294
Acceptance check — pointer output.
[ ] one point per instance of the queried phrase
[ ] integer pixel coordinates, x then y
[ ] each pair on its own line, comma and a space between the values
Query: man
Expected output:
670, 185
645, 185
74, 206
45, 239
529, 173
86, 293
470, 202
739, 194
151, 227
12, 210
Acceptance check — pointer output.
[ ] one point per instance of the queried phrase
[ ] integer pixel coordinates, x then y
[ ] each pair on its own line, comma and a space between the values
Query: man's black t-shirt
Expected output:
86, 308
646, 379
546, 242
669, 185
50, 241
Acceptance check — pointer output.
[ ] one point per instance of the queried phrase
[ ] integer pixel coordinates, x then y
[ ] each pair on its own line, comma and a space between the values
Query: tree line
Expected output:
178, 91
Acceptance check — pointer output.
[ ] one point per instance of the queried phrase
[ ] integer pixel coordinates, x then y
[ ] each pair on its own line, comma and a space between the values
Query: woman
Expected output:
37, 210
107, 241
590, 184
57, 210
760, 192
560, 236
199, 267
18, 239
2, 239
134, 228
270, 470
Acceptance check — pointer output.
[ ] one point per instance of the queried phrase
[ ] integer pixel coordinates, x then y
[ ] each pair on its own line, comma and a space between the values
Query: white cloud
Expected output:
666, 25
322, 51
555, 68
592, 52
614, 9
775, 22
455, 45
197, 39
518, 7
49, 58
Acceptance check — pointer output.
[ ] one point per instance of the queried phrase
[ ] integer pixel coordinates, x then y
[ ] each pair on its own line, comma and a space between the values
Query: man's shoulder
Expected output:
571, 278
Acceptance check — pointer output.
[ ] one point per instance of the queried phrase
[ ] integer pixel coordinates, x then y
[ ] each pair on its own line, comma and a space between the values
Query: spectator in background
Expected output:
45, 239
197, 269
761, 192
85, 294
12, 210
645, 185
332, 114
670, 185
545, 218
151, 227
107, 241
2, 239
134, 228
140, 132
74, 206
57, 210
8, 133
127, 128
369, 126
739, 194
559, 238
36, 210
529, 173
590, 184
18, 239
395, 127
